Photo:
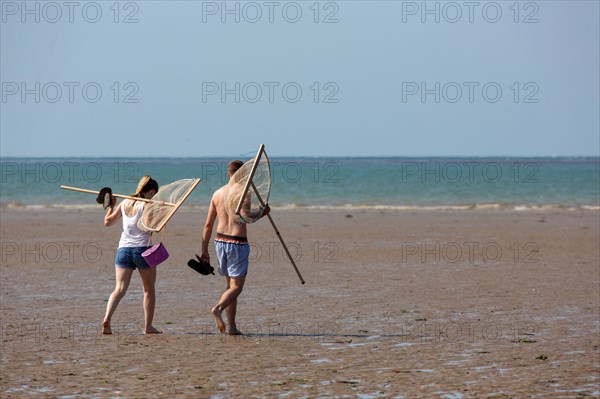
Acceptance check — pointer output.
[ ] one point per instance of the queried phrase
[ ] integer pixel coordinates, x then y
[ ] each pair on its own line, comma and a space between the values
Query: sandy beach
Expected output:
407, 304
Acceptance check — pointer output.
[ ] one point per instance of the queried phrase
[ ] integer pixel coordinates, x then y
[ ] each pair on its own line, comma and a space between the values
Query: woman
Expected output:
129, 254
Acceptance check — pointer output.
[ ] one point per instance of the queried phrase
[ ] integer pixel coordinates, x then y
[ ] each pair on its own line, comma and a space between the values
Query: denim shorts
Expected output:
131, 258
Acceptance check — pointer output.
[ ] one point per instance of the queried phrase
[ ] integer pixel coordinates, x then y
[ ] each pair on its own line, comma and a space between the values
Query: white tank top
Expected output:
132, 236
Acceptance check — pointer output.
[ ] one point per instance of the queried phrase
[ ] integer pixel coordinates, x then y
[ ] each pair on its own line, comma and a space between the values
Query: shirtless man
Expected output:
231, 245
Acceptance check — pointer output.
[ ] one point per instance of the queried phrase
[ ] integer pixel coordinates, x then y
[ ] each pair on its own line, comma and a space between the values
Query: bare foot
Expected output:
106, 327
152, 330
218, 319
234, 331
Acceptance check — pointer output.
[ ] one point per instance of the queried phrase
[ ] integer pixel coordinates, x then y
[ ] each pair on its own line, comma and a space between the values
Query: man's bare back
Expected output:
228, 223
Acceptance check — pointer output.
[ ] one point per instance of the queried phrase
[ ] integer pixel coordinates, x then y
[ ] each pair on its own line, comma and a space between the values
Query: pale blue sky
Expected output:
374, 61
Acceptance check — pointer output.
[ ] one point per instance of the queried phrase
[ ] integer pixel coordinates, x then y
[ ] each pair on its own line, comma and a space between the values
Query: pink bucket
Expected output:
155, 255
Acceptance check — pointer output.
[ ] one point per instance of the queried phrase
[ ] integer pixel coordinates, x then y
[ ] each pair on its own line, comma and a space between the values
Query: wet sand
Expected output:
451, 304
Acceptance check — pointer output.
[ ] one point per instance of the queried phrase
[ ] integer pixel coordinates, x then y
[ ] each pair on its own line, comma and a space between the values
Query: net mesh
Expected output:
258, 191
171, 196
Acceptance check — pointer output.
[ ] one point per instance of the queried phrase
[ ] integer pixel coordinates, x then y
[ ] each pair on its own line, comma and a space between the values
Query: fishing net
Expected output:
253, 184
165, 203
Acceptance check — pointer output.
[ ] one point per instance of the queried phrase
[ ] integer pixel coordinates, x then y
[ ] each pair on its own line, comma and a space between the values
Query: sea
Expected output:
324, 182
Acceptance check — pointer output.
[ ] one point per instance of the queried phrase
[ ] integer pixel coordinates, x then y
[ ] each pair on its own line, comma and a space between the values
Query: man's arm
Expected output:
250, 217
266, 210
208, 228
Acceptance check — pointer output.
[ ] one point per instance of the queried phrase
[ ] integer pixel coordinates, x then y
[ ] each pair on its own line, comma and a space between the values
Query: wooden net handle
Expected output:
83, 190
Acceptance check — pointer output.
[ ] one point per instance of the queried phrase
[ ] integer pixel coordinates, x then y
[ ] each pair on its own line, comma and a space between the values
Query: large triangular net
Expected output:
166, 201
257, 191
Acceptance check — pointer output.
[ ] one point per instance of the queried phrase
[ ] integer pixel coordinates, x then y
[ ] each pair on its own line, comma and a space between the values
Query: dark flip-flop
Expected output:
104, 197
201, 266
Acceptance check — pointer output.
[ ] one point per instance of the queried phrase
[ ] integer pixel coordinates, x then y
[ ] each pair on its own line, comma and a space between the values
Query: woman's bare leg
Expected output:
122, 280
149, 281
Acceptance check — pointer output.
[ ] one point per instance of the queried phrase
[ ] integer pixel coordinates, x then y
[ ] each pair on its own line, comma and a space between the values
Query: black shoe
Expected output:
201, 266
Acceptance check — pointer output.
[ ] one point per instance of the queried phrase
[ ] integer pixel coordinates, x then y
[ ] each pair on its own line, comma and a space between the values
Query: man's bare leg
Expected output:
122, 280
235, 285
149, 281
231, 326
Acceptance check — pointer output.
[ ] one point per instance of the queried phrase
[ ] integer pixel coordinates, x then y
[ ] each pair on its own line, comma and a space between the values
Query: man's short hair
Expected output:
234, 166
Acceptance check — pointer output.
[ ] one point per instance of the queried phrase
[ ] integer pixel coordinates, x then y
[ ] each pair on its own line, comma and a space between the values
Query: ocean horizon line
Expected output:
309, 157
